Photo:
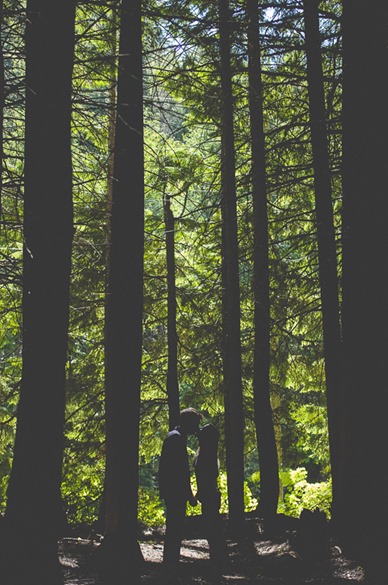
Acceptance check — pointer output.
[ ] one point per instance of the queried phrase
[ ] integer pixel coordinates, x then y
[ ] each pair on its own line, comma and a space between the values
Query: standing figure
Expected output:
206, 472
174, 484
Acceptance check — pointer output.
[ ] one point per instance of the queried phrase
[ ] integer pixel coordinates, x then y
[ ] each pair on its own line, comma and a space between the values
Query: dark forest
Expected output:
193, 213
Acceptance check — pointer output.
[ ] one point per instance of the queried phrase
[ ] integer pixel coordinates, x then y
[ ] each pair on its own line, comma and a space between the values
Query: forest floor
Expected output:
258, 560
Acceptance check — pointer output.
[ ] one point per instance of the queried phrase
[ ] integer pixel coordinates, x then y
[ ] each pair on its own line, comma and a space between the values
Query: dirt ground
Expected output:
257, 560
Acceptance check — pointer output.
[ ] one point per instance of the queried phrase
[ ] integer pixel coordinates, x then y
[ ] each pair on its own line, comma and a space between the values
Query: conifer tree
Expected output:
327, 251
33, 518
267, 450
120, 551
234, 415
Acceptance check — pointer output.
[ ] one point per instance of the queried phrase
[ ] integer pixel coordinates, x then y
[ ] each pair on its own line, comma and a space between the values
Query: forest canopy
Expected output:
182, 161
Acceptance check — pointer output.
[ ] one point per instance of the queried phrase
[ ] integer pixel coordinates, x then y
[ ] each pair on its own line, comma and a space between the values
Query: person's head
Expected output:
189, 420
208, 436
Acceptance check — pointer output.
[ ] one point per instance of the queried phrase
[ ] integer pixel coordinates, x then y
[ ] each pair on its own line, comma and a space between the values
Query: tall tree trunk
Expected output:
2, 106
266, 443
172, 335
234, 416
363, 511
33, 514
112, 119
124, 305
109, 195
327, 251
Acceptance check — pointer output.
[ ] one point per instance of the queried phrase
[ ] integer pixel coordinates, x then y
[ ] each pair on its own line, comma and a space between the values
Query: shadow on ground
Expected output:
257, 559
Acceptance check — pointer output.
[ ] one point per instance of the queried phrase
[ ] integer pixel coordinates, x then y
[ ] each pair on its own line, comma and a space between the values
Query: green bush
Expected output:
150, 509
299, 493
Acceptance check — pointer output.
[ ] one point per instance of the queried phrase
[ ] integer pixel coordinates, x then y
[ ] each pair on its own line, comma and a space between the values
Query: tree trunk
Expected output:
234, 416
2, 105
110, 182
362, 511
33, 514
112, 119
124, 306
327, 252
172, 336
266, 443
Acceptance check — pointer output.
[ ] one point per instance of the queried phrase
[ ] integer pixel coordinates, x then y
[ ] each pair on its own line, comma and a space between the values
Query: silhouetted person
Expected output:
174, 484
206, 472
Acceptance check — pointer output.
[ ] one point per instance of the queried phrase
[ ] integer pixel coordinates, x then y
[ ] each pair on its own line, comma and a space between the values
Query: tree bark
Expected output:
172, 335
2, 105
327, 250
113, 48
266, 442
33, 514
362, 510
124, 306
234, 415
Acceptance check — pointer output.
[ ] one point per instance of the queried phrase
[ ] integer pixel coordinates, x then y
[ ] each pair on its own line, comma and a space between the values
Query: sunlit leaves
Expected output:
182, 159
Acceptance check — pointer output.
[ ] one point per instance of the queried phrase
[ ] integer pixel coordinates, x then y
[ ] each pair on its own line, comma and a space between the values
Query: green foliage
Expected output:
150, 511
82, 492
182, 159
250, 502
83, 469
299, 493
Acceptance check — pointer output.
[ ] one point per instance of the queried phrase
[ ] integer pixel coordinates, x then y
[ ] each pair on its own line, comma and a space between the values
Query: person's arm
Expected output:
186, 477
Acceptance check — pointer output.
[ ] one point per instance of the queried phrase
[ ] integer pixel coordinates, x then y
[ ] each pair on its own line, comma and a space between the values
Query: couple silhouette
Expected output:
175, 488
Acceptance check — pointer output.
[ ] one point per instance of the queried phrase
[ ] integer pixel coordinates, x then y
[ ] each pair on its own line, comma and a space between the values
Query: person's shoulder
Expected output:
174, 439
173, 435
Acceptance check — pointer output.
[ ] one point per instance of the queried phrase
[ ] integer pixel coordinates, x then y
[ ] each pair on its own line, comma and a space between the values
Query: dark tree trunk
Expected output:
234, 416
327, 251
112, 120
2, 105
109, 195
124, 306
266, 443
172, 336
363, 510
33, 515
